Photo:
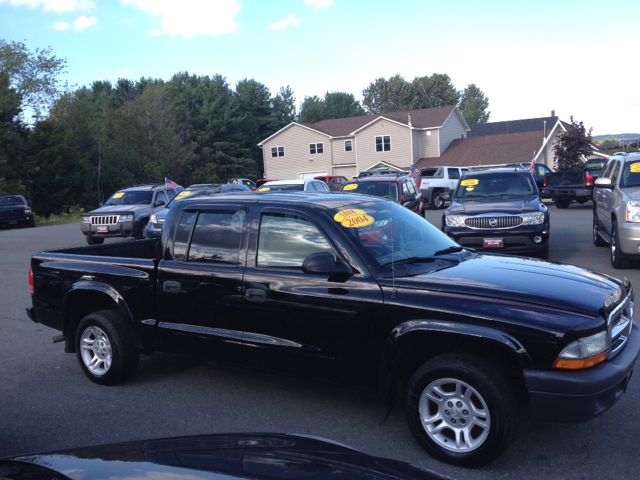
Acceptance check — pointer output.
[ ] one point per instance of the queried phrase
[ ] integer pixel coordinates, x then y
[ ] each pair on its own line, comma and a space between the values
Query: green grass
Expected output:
72, 214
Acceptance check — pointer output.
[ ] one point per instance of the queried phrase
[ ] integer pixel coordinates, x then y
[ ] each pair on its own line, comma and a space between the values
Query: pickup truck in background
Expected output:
357, 291
436, 180
578, 185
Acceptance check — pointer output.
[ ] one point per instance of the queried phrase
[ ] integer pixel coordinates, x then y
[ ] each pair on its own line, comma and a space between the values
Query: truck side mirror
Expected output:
324, 263
603, 182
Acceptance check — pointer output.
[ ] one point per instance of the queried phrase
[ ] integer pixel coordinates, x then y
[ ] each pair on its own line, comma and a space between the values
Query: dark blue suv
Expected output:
15, 211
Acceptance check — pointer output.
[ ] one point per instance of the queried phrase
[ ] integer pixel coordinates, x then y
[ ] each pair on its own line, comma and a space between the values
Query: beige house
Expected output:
346, 146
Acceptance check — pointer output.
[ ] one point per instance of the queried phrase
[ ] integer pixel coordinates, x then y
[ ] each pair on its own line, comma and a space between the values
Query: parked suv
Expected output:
437, 180
400, 189
334, 182
15, 211
616, 209
498, 210
126, 213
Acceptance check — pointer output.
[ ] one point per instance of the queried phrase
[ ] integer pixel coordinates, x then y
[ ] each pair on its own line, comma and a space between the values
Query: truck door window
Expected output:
216, 237
183, 233
454, 173
285, 240
615, 173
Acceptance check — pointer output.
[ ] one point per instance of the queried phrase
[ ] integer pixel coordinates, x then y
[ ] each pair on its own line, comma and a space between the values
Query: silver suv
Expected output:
436, 180
616, 209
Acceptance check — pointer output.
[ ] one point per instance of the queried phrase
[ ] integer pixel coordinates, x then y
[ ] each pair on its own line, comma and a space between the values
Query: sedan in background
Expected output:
297, 185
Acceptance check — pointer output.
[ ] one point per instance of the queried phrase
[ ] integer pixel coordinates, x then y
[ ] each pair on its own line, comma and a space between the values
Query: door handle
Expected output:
171, 287
255, 295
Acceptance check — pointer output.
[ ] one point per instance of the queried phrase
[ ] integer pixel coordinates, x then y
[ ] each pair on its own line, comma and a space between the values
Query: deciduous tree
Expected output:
572, 147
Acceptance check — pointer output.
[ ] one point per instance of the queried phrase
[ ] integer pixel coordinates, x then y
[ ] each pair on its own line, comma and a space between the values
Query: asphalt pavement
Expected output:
46, 403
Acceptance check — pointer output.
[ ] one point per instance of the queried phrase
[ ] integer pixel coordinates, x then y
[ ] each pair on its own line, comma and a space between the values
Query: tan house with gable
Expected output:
346, 146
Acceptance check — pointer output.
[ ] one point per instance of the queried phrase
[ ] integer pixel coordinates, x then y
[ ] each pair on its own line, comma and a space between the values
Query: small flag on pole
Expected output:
170, 184
532, 167
414, 171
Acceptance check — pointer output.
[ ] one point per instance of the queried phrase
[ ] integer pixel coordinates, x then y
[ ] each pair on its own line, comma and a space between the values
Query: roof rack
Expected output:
150, 185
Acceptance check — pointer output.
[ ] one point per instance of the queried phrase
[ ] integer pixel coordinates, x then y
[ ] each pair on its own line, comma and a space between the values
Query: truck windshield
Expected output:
631, 175
130, 198
11, 200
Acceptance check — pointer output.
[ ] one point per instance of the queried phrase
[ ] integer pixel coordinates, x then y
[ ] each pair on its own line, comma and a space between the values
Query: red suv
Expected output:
401, 189
334, 182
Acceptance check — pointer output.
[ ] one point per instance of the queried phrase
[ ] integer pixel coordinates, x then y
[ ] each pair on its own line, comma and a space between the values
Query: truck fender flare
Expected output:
83, 286
398, 345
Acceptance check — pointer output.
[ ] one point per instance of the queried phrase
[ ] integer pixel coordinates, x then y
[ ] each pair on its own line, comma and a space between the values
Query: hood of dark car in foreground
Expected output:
521, 279
116, 209
512, 205
254, 456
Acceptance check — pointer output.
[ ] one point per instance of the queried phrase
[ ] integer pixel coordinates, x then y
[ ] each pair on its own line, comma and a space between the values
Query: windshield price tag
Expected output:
118, 195
352, 186
493, 243
469, 182
357, 221
634, 168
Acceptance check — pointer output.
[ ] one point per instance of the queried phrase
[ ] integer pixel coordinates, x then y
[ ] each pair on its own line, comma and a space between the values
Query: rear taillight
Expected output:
31, 280
544, 180
588, 179
418, 181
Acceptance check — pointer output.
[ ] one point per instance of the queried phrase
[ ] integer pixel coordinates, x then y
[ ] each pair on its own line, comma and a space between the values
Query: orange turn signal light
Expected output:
578, 363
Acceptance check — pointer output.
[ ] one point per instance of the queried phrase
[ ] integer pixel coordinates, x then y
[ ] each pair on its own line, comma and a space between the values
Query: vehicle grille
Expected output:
105, 220
620, 323
493, 223
11, 213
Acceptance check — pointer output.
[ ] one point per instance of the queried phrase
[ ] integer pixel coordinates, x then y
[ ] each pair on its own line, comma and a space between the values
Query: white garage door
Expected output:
306, 175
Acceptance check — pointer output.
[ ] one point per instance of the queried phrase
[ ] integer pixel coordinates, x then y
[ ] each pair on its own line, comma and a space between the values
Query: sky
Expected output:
577, 58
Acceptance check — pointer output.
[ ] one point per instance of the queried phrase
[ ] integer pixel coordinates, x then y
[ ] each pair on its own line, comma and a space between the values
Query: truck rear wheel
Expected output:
104, 351
436, 202
461, 410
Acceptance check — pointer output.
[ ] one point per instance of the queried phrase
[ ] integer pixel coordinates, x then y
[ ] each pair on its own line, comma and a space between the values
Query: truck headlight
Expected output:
86, 219
584, 352
536, 218
126, 218
455, 220
633, 211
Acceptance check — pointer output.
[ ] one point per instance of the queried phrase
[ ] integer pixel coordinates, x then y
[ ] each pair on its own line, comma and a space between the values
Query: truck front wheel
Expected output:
104, 352
461, 410
618, 258
94, 240
562, 203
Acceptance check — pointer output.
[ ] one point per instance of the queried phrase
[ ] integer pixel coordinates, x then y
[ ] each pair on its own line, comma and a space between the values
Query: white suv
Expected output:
436, 180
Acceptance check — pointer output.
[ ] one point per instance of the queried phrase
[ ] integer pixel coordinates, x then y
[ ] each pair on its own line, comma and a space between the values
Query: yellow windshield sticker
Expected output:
469, 182
470, 188
357, 221
340, 216
118, 195
635, 168
351, 186
264, 189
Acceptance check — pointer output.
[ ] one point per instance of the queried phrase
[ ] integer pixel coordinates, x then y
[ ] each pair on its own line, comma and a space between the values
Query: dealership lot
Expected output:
47, 403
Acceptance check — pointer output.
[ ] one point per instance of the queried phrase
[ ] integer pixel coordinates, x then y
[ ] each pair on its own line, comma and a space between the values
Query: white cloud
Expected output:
284, 23
319, 3
61, 26
53, 5
84, 22
190, 18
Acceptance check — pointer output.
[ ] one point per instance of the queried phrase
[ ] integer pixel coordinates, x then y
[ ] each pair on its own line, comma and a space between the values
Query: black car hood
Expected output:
520, 279
255, 456
115, 209
495, 205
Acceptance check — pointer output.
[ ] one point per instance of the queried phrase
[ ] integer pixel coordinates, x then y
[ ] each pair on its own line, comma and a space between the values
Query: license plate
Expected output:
13, 222
493, 243
102, 229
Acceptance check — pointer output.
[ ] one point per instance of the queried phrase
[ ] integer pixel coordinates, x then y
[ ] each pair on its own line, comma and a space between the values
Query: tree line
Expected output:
62, 145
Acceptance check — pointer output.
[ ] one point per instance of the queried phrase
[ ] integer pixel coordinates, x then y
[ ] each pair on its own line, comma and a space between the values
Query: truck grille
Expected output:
493, 223
620, 323
11, 213
105, 219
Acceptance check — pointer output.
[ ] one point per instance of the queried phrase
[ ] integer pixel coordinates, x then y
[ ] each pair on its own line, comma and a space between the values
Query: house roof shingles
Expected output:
488, 150
424, 118
511, 126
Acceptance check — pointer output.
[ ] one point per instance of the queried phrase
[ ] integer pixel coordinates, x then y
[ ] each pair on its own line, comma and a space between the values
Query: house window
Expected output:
383, 144
277, 151
316, 148
347, 146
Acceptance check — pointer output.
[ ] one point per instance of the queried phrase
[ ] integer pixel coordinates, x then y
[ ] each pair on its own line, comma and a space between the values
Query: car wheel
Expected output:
562, 203
32, 222
618, 258
544, 253
436, 202
142, 231
104, 352
94, 240
598, 241
461, 410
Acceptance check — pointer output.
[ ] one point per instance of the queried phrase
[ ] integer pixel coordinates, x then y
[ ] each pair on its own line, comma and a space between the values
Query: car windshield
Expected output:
11, 200
595, 166
382, 188
290, 187
498, 184
388, 234
631, 175
130, 198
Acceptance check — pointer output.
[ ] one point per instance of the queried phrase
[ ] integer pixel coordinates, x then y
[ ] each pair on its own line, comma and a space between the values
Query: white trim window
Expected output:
348, 145
383, 143
316, 148
277, 151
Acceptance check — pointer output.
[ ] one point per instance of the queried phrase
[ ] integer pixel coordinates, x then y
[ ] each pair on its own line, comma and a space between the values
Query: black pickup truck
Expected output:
570, 186
353, 290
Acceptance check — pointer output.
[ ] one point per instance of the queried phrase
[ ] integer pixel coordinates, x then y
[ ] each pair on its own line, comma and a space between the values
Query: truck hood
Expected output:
519, 279
632, 192
115, 209
510, 205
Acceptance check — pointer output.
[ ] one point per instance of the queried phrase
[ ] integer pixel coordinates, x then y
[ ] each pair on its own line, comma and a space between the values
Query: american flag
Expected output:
170, 184
532, 167
414, 171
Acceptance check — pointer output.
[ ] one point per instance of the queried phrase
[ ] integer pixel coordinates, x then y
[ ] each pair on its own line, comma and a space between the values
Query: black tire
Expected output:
468, 379
598, 241
562, 203
618, 258
142, 231
544, 253
103, 349
94, 240
32, 223
436, 203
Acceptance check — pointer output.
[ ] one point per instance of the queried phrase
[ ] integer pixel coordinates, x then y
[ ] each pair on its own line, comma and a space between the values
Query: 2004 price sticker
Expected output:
357, 221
